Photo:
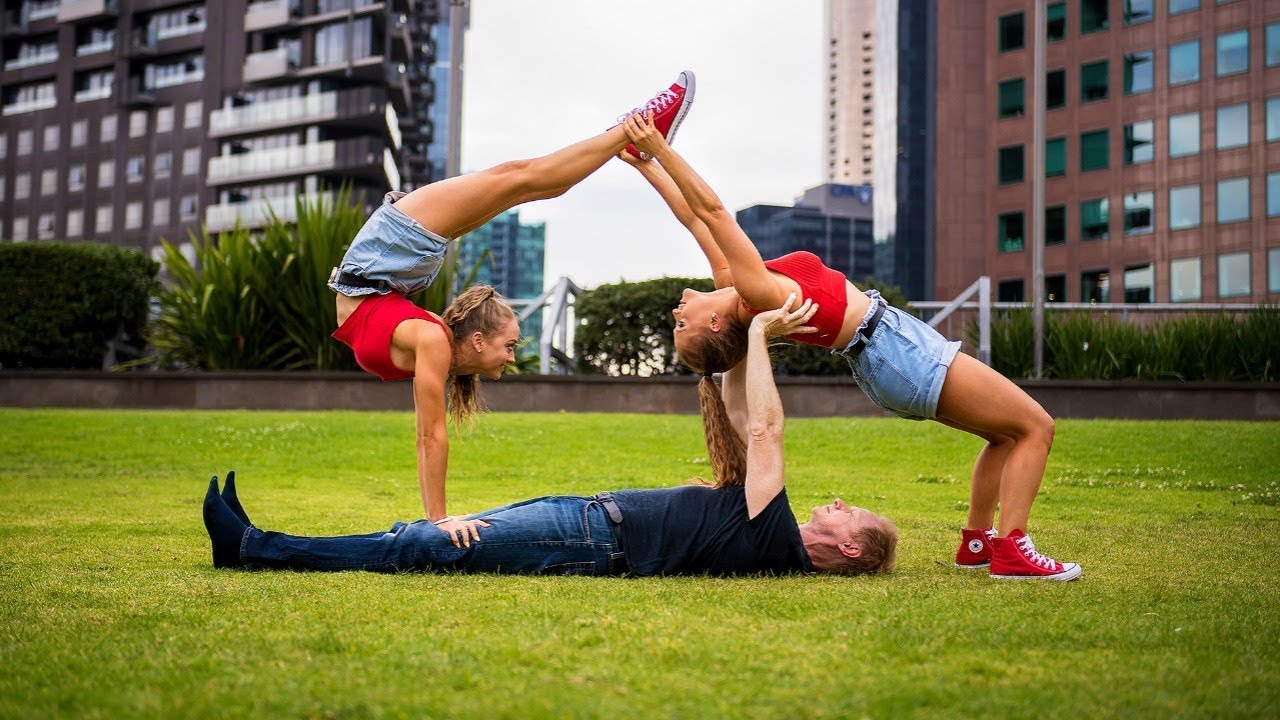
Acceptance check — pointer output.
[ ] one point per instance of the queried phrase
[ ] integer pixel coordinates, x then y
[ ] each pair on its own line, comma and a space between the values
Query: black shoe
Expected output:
233, 501
225, 529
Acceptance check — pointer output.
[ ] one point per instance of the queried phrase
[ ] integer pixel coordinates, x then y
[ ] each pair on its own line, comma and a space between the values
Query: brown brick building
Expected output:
1162, 149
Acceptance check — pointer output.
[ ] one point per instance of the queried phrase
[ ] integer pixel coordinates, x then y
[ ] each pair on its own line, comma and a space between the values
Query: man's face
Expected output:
841, 521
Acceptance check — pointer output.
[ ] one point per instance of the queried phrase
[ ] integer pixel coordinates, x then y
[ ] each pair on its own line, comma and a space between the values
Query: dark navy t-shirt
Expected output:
694, 529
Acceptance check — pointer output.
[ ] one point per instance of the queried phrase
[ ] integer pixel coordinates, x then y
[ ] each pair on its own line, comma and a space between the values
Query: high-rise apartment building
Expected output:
832, 221
1162, 148
515, 261
129, 120
850, 32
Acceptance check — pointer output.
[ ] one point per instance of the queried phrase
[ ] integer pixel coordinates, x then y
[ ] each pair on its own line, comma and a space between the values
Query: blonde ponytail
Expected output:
718, 352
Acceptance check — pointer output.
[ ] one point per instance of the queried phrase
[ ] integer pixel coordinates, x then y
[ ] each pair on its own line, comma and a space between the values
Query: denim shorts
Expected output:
903, 366
394, 247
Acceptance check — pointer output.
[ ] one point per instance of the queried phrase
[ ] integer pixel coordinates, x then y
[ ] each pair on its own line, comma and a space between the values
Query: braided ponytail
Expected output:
479, 308
713, 352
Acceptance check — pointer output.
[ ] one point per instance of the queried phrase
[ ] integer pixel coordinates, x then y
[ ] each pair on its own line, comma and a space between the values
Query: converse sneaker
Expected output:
974, 552
669, 108
1015, 558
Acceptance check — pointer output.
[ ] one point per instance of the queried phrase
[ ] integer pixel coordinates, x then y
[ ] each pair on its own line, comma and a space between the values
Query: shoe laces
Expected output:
660, 102
1028, 549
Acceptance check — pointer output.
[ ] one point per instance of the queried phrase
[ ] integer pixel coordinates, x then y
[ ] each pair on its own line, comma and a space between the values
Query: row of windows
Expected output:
1139, 213
81, 135
135, 171
1186, 280
1232, 57
1231, 130
104, 216
1095, 16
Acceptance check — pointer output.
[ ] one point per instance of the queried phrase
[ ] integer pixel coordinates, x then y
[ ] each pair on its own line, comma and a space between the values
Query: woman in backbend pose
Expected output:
399, 251
901, 363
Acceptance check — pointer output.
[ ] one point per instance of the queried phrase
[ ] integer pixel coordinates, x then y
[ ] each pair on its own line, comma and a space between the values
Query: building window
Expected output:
137, 123
1273, 195
1055, 225
1184, 63
106, 173
48, 182
1055, 288
1012, 234
1184, 280
134, 168
1273, 270
1095, 219
1177, 7
107, 131
44, 226
1233, 200
1095, 286
191, 114
1233, 53
1055, 21
4, 145
1184, 134
1139, 213
20, 229
22, 186
102, 221
164, 119
1138, 11
1094, 153
1233, 275
1012, 96
1272, 56
1139, 284
1233, 126
2, 188
1012, 31
75, 178
26, 142
1094, 16
1139, 142
160, 212
50, 138
1055, 157
162, 164
187, 208
75, 223
1010, 164
1011, 290
133, 216
1055, 89
1184, 207
1139, 72
1273, 119
191, 161
1093, 81
79, 133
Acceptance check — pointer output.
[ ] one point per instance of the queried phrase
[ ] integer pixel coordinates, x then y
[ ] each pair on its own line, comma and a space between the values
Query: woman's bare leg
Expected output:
977, 397
455, 206
984, 487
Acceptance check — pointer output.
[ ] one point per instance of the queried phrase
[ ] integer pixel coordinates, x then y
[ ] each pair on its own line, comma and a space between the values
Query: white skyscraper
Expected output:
851, 41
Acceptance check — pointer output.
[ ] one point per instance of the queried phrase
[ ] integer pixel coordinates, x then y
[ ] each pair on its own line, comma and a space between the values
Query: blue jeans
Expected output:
559, 535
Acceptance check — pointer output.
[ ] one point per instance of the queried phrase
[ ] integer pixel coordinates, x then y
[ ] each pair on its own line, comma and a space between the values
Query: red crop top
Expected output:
369, 329
819, 282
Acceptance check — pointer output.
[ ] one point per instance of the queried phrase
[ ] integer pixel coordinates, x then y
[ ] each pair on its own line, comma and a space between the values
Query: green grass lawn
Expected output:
110, 606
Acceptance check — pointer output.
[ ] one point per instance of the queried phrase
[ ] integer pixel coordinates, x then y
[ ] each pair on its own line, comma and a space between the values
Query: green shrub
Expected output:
63, 303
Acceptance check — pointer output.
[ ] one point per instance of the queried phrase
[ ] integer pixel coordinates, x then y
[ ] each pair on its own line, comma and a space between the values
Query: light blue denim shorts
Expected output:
394, 247
904, 364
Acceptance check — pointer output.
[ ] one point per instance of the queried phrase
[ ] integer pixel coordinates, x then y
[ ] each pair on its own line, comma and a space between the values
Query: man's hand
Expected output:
632, 160
644, 136
784, 320
459, 530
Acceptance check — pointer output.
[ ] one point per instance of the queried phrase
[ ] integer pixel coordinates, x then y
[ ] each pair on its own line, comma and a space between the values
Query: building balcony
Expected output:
105, 45
138, 95
342, 105
360, 157
190, 28
31, 60
96, 93
73, 10
26, 106
268, 14
256, 213
269, 64
182, 78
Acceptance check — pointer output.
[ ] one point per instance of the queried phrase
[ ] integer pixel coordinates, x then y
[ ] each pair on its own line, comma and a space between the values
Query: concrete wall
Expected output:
802, 397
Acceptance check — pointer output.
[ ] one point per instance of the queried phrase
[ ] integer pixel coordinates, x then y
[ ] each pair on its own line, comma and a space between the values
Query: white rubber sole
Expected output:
983, 566
1070, 571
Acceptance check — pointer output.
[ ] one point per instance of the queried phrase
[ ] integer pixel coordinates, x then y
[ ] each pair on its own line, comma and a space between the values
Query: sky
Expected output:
541, 75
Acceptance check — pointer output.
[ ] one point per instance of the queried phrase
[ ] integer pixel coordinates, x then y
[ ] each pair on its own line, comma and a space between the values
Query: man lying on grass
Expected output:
688, 530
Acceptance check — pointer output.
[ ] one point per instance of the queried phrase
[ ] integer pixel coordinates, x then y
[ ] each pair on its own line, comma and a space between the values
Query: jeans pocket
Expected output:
895, 391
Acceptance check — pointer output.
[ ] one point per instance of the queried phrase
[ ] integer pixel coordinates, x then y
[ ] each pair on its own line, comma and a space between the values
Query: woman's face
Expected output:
498, 350
693, 315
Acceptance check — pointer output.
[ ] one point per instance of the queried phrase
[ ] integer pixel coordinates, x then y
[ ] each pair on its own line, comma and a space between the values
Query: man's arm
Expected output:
733, 391
765, 477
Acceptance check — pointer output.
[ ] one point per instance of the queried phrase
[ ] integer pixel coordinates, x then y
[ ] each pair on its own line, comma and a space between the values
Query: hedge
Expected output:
61, 304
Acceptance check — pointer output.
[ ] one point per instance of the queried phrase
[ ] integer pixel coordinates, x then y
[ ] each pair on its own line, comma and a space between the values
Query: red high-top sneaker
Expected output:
974, 552
669, 108
1015, 558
